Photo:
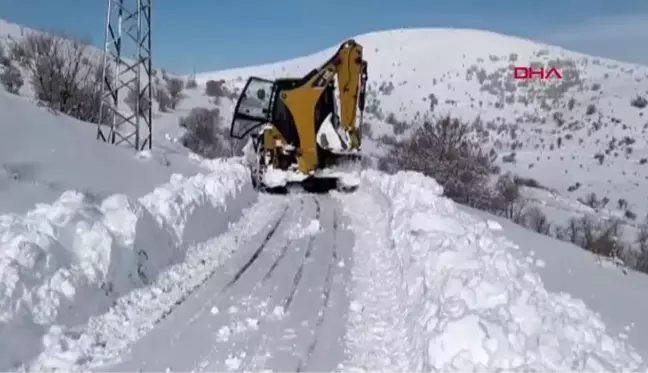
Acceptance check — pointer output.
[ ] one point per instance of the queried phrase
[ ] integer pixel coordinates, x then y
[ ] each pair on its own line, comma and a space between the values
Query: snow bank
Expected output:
470, 303
64, 262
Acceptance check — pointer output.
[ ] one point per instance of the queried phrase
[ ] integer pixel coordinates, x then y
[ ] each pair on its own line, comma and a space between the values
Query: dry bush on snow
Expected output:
444, 151
537, 221
4, 59
642, 242
601, 237
204, 135
217, 89
163, 99
639, 102
507, 200
191, 83
11, 79
60, 75
174, 88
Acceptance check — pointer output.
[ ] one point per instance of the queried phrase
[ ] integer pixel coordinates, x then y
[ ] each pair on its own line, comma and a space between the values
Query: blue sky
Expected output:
214, 34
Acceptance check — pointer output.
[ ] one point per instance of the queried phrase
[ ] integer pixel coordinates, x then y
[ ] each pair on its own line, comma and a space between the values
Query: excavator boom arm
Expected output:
351, 71
352, 77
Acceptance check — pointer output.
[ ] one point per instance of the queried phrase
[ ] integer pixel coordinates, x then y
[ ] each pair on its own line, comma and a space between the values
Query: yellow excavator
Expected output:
299, 135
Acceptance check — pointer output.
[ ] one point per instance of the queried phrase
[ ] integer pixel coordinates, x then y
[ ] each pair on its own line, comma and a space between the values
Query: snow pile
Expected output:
299, 231
468, 301
62, 263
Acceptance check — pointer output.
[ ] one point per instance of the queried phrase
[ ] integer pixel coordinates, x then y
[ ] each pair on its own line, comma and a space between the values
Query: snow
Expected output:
274, 177
42, 155
456, 296
63, 262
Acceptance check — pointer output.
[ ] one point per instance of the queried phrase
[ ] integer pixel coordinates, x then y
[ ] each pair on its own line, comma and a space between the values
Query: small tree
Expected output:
12, 79
203, 136
215, 88
642, 242
175, 87
191, 83
639, 102
507, 195
4, 59
163, 99
18, 52
535, 219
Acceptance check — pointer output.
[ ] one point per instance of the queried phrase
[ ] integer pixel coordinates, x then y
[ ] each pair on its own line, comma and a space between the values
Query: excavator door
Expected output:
254, 107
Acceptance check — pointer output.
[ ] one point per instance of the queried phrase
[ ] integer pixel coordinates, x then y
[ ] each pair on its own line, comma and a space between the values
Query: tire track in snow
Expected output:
326, 295
211, 274
284, 251
300, 272
163, 346
258, 251
240, 350
242, 269
290, 342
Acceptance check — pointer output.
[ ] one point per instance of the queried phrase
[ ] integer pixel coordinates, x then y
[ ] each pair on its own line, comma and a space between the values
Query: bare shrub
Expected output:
507, 194
12, 79
163, 99
639, 102
622, 203
175, 87
203, 135
444, 151
591, 200
215, 88
536, 220
18, 52
642, 243
591, 109
630, 215
4, 59
527, 181
191, 83
598, 236
59, 77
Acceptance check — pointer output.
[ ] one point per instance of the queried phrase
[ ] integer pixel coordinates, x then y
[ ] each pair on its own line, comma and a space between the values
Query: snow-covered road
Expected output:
279, 303
393, 277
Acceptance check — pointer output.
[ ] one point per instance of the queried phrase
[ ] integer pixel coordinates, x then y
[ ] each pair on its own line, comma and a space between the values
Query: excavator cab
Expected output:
290, 113
253, 108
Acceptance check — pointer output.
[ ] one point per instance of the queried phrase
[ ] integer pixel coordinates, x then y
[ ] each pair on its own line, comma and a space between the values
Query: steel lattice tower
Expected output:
127, 66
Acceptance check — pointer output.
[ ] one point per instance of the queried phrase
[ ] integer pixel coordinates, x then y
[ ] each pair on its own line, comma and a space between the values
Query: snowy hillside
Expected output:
555, 128
113, 260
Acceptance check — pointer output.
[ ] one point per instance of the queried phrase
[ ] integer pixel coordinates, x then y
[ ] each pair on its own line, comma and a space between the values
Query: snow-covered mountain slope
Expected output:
555, 127
43, 154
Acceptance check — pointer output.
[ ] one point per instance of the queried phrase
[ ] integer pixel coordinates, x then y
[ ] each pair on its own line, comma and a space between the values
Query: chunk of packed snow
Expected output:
493, 225
274, 178
312, 227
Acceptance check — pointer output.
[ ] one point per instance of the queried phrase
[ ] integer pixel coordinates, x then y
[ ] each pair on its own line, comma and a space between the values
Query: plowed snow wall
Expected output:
473, 302
64, 262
